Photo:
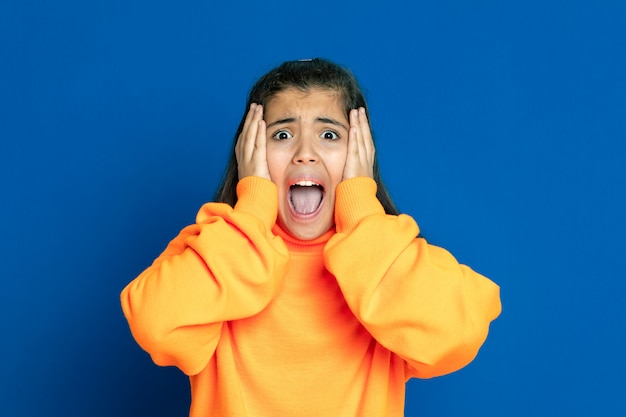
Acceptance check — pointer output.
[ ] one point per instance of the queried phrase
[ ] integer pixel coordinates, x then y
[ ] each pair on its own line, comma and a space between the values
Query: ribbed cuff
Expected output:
259, 197
355, 199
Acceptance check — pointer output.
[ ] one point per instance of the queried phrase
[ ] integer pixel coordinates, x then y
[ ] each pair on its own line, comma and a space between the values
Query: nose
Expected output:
305, 152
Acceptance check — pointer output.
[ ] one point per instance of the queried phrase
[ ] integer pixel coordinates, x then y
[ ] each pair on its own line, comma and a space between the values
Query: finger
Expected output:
366, 133
353, 135
246, 123
249, 126
352, 153
260, 153
365, 148
361, 152
246, 142
260, 137
249, 145
350, 170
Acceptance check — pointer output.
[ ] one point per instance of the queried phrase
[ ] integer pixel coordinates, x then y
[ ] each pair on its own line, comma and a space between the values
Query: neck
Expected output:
296, 245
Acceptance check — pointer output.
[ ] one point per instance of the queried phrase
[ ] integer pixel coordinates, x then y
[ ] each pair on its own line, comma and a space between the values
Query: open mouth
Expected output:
306, 197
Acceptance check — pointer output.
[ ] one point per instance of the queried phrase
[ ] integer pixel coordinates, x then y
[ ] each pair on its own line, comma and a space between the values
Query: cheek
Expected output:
273, 162
336, 163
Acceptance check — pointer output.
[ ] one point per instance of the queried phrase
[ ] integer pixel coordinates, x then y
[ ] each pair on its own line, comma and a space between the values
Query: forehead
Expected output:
293, 100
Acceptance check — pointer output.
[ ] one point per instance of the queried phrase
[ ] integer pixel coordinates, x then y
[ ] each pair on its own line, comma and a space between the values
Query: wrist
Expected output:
258, 196
355, 199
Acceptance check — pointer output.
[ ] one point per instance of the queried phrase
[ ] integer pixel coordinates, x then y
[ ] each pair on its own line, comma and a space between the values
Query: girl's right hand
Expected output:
250, 149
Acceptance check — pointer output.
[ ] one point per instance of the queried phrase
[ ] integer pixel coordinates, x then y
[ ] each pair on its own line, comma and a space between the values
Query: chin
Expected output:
306, 233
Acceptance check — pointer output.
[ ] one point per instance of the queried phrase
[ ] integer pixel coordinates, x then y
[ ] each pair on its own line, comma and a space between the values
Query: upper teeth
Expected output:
305, 183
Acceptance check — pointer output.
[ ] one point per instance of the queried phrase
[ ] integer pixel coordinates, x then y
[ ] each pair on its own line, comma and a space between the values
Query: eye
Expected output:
330, 135
282, 135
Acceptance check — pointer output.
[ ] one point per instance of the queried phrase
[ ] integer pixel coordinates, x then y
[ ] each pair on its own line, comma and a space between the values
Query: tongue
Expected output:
305, 200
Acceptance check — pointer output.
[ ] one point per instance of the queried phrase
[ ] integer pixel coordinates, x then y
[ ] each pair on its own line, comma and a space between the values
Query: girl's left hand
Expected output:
360, 158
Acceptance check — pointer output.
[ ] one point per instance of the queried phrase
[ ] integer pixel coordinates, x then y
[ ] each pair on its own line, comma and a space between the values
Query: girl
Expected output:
302, 292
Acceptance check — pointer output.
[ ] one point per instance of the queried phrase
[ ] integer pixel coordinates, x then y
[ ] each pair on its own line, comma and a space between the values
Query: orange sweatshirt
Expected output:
266, 325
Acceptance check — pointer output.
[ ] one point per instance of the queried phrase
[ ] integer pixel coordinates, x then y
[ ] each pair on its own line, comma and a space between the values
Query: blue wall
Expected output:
500, 126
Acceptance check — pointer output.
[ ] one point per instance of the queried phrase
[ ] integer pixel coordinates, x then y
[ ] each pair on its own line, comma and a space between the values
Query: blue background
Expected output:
500, 127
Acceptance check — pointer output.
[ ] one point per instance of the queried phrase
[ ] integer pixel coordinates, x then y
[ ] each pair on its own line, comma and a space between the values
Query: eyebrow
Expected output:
331, 121
281, 122
318, 120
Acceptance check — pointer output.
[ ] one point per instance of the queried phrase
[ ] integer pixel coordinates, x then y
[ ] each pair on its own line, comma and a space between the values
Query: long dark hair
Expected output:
304, 75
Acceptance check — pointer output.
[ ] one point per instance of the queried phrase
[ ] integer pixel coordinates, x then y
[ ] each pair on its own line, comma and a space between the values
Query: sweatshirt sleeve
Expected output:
414, 298
226, 266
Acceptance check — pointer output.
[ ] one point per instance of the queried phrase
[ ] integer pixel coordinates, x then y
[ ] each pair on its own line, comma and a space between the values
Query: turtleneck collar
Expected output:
307, 246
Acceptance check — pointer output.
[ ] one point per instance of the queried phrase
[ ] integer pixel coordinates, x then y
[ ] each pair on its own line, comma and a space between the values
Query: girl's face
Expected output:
307, 137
